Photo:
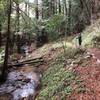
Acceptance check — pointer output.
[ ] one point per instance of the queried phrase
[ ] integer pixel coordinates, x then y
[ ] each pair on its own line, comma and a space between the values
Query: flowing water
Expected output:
20, 84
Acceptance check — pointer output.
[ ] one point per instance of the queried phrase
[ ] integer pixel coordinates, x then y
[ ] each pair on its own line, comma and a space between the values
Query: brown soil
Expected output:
90, 75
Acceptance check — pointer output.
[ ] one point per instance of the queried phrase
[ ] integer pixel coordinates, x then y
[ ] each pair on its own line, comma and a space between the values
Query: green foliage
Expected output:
3, 7
56, 80
53, 26
96, 41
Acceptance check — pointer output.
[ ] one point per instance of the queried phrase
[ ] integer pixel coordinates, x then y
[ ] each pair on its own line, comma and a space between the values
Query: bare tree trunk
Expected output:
50, 9
36, 10
18, 16
5, 65
55, 6
65, 7
42, 15
18, 26
59, 6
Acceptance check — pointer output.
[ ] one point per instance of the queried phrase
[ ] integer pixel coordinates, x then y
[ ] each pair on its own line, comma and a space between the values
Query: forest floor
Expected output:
89, 88
68, 72
83, 78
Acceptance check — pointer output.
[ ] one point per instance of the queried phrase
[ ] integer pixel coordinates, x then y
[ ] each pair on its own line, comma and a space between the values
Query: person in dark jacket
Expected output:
80, 39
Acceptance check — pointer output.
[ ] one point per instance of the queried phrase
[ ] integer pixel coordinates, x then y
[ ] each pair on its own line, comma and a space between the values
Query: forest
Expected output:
49, 49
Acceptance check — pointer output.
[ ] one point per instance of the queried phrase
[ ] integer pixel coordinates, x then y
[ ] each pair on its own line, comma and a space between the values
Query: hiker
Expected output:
79, 39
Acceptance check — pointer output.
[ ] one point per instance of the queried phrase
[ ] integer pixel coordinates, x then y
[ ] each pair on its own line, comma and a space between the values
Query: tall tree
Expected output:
5, 65
18, 25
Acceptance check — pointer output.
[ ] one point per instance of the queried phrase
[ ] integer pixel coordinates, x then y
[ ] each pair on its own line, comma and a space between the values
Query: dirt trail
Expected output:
90, 75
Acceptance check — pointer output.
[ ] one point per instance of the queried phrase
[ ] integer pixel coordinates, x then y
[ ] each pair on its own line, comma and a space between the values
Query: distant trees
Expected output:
75, 13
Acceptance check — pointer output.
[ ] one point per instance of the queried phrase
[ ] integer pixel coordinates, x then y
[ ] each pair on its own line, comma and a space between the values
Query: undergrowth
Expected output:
57, 81
53, 82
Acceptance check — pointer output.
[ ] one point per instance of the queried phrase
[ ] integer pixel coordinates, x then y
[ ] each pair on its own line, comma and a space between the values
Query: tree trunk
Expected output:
36, 10
42, 10
65, 7
18, 26
69, 17
18, 16
5, 67
55, 6
59, 6
88, 10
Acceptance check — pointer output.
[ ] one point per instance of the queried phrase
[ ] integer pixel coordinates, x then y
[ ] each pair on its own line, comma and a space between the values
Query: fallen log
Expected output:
31, 61
41, 58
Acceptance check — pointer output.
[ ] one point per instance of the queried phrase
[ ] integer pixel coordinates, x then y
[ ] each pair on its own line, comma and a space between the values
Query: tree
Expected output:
36, 10
5, 65
59, 6
18, 26
69, 17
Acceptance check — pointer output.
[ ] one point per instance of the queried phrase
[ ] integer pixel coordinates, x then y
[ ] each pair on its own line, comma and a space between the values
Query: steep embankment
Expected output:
75, 74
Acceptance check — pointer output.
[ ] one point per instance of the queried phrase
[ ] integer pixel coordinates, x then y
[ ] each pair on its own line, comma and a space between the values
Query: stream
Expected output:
20, 84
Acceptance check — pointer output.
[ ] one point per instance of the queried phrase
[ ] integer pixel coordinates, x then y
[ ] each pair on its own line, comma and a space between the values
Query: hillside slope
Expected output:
75, 74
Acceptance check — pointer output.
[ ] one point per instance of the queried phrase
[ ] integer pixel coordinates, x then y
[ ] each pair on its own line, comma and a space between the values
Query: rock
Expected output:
69, 61
27, 80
